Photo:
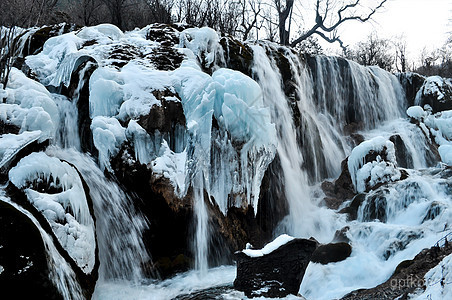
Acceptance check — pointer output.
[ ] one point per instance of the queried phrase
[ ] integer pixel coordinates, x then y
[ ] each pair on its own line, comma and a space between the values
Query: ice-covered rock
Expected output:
55, 189
373, 162
436, 92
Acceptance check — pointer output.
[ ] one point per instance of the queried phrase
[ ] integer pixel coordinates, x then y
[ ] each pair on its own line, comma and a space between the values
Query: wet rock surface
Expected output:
340, 190
23, 258
330, 253
407, 278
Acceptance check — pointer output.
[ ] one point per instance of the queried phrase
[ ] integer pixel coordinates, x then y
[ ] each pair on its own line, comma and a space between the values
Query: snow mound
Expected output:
370, 173
29, 106
102, 33
270, 247
416, 112
55, 51
66, 210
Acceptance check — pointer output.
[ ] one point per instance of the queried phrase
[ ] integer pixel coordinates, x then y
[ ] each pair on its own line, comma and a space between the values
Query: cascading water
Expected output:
296, 182
224, 148
61, 272
202, 235
119, 227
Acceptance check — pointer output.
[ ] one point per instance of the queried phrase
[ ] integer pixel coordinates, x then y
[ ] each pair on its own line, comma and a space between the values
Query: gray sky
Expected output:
424, 23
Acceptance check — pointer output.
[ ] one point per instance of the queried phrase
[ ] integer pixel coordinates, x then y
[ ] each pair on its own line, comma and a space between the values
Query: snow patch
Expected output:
29, 106
416, 112
270, 247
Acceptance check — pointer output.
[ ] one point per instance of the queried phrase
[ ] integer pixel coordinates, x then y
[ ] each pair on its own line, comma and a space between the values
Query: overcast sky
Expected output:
424, 23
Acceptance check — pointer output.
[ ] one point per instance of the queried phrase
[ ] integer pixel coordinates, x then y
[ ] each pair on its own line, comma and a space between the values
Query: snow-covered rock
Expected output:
436, 92
373, 162
276, 270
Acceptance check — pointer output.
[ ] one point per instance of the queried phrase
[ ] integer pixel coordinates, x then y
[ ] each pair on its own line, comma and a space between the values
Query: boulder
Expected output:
277, 273
61, 227
332, 252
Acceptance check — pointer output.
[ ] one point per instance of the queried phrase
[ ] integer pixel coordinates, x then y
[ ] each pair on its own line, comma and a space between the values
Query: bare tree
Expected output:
374, 51
284, 10
329, 16
250, 17
87, 12
8, 48
400, 46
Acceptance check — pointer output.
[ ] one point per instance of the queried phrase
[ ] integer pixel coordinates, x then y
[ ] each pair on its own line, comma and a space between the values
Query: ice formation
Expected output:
29, 106
66, 211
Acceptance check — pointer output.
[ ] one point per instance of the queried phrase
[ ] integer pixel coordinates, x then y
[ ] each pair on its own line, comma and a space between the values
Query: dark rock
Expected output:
165, 57
433, 211
163, 117
375, 206
403, 159
341, 235
35, 42
339, 191
80, 84
277, 274
269, 211
333, 252
238, 56
406, 279
213, 293
23, 257
6, 127
168, 215
121, 54
411, 83
352, 209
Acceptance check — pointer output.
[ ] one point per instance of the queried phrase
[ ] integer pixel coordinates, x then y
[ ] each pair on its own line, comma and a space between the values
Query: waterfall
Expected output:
68, 131
119, 227
301, 114
61, 272
301, 221
202, 234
